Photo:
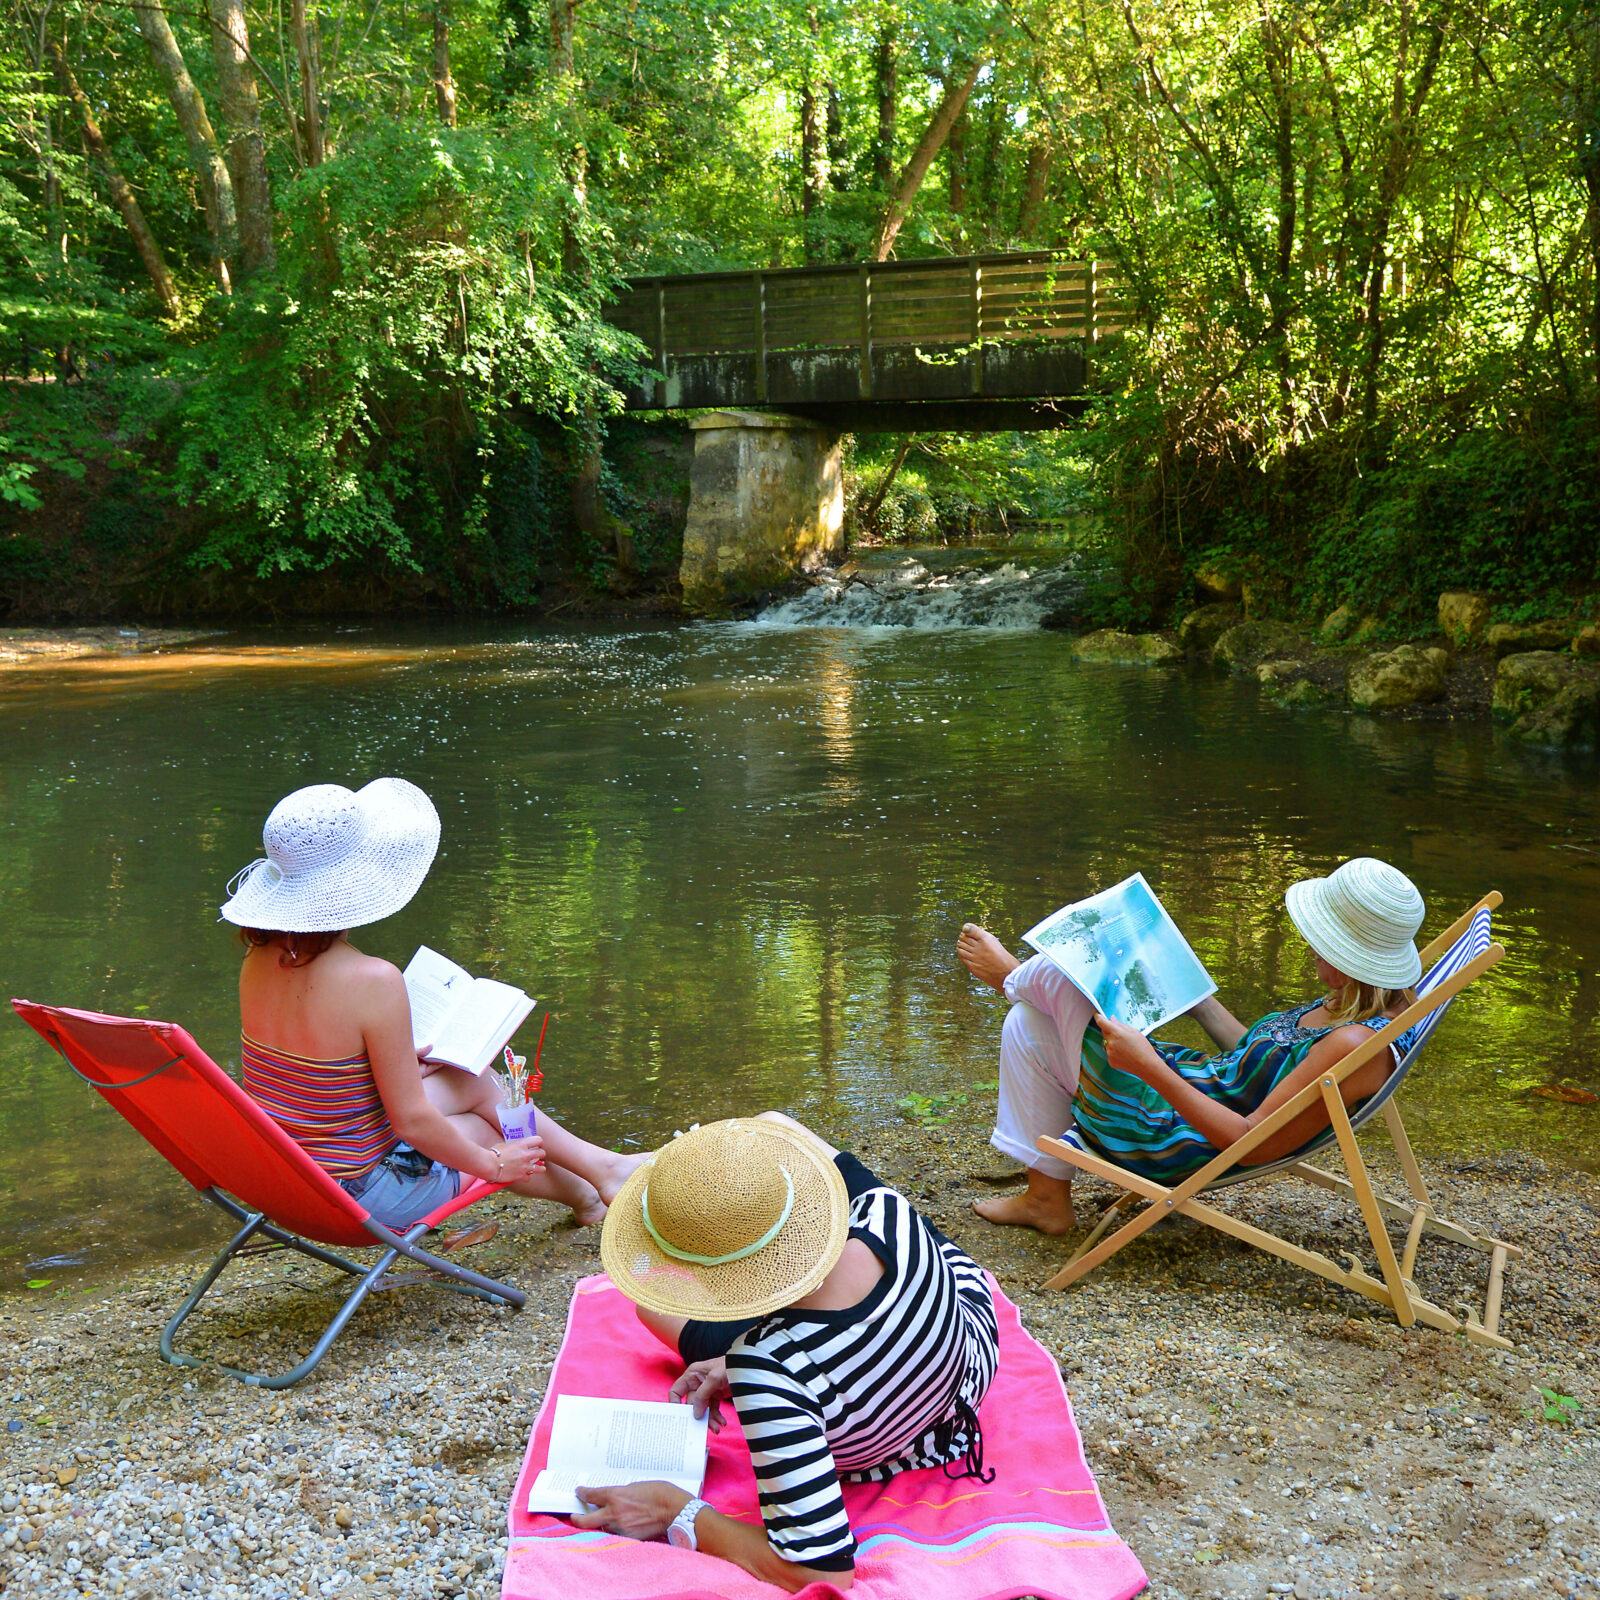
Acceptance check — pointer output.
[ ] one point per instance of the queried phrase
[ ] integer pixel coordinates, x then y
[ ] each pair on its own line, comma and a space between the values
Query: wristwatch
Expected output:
681, 1533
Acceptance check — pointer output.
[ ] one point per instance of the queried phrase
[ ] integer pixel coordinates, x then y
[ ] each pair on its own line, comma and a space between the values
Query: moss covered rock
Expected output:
1203, 626
1514, 639
1112, 646
1300, 695
1463, 615
1405, 676
1587, 641
1242, 646
1338, 625
1530, 681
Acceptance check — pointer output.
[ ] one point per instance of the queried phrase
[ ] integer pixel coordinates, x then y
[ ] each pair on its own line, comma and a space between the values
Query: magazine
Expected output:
603, 1444
465, 1021
1126, 954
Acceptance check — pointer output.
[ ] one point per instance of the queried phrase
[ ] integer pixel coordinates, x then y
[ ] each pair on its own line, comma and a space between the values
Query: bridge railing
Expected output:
946, 310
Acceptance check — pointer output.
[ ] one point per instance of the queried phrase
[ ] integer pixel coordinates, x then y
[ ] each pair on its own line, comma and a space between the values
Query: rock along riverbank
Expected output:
1255, 1434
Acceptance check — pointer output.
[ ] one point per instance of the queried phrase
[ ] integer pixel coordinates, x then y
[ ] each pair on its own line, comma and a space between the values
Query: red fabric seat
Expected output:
224, 1144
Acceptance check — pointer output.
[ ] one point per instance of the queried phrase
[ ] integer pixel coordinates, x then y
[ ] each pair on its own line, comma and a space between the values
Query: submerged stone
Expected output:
1126, 649
1405, 676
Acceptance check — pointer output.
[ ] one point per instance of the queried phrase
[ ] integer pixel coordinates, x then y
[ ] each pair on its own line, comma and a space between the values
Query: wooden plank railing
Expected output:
960, 301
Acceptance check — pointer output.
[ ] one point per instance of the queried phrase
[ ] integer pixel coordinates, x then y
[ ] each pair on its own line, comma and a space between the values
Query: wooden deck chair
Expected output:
1461, 954
247, 1166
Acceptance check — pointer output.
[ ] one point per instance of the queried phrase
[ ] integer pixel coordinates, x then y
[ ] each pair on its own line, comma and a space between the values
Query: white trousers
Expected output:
1041, 1048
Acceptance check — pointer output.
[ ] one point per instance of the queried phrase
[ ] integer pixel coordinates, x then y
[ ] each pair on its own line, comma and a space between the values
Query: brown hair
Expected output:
1359, 1002
299, 949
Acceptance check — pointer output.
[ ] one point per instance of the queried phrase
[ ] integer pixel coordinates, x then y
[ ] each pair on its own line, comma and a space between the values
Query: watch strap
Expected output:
683, 1524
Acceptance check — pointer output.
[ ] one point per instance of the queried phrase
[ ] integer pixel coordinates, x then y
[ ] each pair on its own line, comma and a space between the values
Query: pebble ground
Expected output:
1254, 1432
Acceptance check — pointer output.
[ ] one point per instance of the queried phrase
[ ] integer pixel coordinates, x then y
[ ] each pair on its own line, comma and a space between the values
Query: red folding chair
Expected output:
245, 1164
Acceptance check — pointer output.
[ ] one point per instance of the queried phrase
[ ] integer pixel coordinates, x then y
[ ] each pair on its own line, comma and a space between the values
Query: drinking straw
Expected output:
536, 1077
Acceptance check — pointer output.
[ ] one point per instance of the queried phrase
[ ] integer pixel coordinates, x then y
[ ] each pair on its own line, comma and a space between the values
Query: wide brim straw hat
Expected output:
337, 858
1363, 919
734, 1219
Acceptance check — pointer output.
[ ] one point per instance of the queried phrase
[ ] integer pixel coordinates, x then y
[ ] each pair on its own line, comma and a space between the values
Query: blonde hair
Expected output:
1359, 1002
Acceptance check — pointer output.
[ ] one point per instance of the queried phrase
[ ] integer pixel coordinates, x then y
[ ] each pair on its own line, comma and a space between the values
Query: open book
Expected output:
1123, 950
465, 1020
602, 1444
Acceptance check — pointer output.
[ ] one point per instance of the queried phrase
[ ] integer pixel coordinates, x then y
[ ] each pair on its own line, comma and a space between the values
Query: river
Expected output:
731, 860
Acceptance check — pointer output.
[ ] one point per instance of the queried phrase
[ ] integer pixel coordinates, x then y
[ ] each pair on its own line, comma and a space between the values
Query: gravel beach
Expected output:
1254, 1433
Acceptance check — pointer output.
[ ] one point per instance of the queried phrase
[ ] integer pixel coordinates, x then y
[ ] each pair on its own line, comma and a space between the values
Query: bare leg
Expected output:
984, 956
799, 1127
1046, 1204
469, 1102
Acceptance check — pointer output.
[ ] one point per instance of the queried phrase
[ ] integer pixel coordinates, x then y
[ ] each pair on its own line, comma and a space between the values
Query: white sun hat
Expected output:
337, 858
1363, 919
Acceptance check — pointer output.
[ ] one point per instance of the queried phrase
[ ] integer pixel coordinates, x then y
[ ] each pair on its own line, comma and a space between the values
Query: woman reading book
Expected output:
1165, 1110
854, 1340
328, 1049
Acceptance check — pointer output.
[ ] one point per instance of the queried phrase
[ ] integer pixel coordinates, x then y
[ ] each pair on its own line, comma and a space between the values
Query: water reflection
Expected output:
732, 861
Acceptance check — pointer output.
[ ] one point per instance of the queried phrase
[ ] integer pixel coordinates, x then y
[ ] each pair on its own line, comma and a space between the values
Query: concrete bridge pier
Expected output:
764, 492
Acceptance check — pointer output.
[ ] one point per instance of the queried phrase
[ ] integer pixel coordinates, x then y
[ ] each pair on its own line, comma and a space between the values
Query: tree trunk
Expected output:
1587, 138
247, 154
444, 89
1277, 47
216, 186
838, 150
810, 159
564, 74
1035, 186
928, 146
122, 197
888, 108
955, 159
310, 85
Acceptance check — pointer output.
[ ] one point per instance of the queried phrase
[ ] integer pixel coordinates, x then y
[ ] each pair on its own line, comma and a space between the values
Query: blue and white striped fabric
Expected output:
1467, 948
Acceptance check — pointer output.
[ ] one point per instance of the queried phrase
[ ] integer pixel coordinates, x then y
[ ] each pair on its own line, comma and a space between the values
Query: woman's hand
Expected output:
426, 1067
637, 1510
1127, 1049
703, 1386
519, 1159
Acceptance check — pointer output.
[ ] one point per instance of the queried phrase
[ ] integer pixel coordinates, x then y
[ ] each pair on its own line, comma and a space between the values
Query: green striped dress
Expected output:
1123, 1118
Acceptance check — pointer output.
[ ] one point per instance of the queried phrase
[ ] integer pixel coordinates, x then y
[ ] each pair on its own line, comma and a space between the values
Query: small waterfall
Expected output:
929, 590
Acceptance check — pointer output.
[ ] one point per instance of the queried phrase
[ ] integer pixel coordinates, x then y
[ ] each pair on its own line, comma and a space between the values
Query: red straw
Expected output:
536, 1078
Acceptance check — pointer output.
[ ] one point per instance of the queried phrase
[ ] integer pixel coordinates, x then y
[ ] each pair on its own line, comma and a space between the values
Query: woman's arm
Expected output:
380, 1000
646, 1510
1129, 1050
1218, 1021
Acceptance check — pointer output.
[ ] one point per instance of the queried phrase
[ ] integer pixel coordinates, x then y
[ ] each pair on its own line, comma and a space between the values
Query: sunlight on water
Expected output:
732, 861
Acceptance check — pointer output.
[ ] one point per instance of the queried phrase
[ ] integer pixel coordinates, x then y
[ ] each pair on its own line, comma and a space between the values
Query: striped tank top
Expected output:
331, 1109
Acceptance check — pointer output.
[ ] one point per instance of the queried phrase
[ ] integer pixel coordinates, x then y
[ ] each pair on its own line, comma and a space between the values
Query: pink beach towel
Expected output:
1039, 1529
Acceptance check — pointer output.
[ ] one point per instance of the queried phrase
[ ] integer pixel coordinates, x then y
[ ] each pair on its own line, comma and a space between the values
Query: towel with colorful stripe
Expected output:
1040, 1528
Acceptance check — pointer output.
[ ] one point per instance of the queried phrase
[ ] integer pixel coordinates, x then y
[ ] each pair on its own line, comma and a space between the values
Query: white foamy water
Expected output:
901, 592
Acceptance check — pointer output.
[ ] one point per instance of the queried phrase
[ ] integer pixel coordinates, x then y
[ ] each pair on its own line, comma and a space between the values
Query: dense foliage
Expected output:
325, 280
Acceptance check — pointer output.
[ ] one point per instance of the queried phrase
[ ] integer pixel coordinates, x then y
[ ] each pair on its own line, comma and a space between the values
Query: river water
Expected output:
732, 860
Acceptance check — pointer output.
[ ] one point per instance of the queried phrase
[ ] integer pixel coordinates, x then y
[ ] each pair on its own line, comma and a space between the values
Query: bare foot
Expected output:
589, 1213
615, 1175
1036, 1208
984, 956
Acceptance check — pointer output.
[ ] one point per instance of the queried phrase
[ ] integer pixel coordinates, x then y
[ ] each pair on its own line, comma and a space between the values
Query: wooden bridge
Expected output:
974, 343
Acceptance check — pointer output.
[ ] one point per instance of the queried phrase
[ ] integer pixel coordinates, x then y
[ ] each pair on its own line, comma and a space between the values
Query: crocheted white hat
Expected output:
337, 858
1363, 919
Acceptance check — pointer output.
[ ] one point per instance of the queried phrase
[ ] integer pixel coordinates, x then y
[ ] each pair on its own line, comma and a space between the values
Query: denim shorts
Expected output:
404, 1187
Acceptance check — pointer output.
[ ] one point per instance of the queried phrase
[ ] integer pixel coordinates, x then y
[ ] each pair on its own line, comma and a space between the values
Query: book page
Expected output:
604, 1443
434, 984
1125, 952
483, 1017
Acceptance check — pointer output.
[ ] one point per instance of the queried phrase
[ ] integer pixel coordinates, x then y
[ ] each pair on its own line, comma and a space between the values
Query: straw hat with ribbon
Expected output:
733, 1219
337, 858
1363, 919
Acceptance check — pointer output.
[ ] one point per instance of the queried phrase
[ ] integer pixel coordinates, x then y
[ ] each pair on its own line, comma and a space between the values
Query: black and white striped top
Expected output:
863, 1393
